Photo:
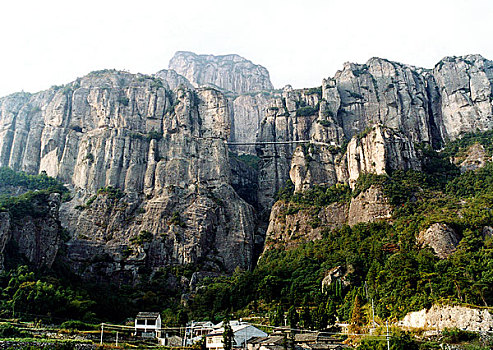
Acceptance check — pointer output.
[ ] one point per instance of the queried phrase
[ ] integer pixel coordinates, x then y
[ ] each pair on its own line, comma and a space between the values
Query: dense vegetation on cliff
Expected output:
25, 292
30, 187
382, 261
55, 294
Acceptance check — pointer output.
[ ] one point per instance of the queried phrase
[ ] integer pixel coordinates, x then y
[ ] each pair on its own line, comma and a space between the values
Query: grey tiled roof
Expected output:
147, 315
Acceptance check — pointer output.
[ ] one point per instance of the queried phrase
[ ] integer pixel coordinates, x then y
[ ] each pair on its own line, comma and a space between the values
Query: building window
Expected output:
141, 322
151, 322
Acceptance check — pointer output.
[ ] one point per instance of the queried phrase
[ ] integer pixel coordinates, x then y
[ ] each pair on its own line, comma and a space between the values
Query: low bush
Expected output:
78, 325
9, 331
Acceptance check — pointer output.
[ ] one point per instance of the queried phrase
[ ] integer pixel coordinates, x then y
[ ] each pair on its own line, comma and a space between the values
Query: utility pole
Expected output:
372, 307
388, 338
102, 330
246, 331
373, 313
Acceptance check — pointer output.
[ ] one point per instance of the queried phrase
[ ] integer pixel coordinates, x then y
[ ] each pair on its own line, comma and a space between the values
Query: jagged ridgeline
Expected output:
189, 169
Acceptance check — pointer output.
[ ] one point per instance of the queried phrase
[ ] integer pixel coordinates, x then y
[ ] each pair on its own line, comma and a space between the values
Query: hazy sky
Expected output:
300, 42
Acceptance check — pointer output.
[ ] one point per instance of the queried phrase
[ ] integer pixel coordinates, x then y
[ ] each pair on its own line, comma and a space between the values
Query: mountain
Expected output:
152, 180
369, 118
148, 168
246, 85
123, 192
231, 73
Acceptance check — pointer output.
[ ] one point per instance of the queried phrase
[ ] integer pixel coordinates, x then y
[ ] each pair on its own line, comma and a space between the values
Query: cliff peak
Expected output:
229, 72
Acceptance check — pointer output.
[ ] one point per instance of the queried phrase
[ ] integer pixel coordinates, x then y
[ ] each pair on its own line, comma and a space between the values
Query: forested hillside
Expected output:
380, 261
383, 260
311, 285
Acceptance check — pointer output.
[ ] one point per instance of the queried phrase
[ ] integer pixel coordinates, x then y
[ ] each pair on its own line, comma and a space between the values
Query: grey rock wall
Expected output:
227, 72
381, 110
162, 143
173, 80
36, 236
439, 317
441, 238
465, 85
290, 225
164, 149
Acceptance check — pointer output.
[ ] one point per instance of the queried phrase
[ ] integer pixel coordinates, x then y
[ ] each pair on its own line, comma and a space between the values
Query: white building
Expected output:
198, 329
242, 332
148, 324
195, 331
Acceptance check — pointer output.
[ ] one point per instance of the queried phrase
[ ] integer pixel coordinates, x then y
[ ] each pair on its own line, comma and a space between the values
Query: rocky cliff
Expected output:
158, 158
152, 180
247, 113
247, 86
291, 224
31, 237
369, 118
465, 89
228, 72
172, 80
437, 318
441, 238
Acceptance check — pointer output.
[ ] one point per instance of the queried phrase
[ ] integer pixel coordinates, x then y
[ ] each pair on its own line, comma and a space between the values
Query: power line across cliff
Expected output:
258, 143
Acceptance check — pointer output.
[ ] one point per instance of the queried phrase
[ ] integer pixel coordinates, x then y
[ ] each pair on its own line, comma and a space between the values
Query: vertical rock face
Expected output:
246, 84
162, 144
4, 235
35, 236
378, 150
91, 133
298, 115
381, 106
386, 93
229, 72
244, 180
173, 80
248, 111
381, 109
164, 150
465, 85
368, 118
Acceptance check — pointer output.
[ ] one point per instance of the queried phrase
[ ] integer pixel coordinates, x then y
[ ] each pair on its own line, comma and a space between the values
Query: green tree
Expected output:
306, 318
320, 318
331, 312
277, 317
357, 318
182, 317
293, 317
227, 335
